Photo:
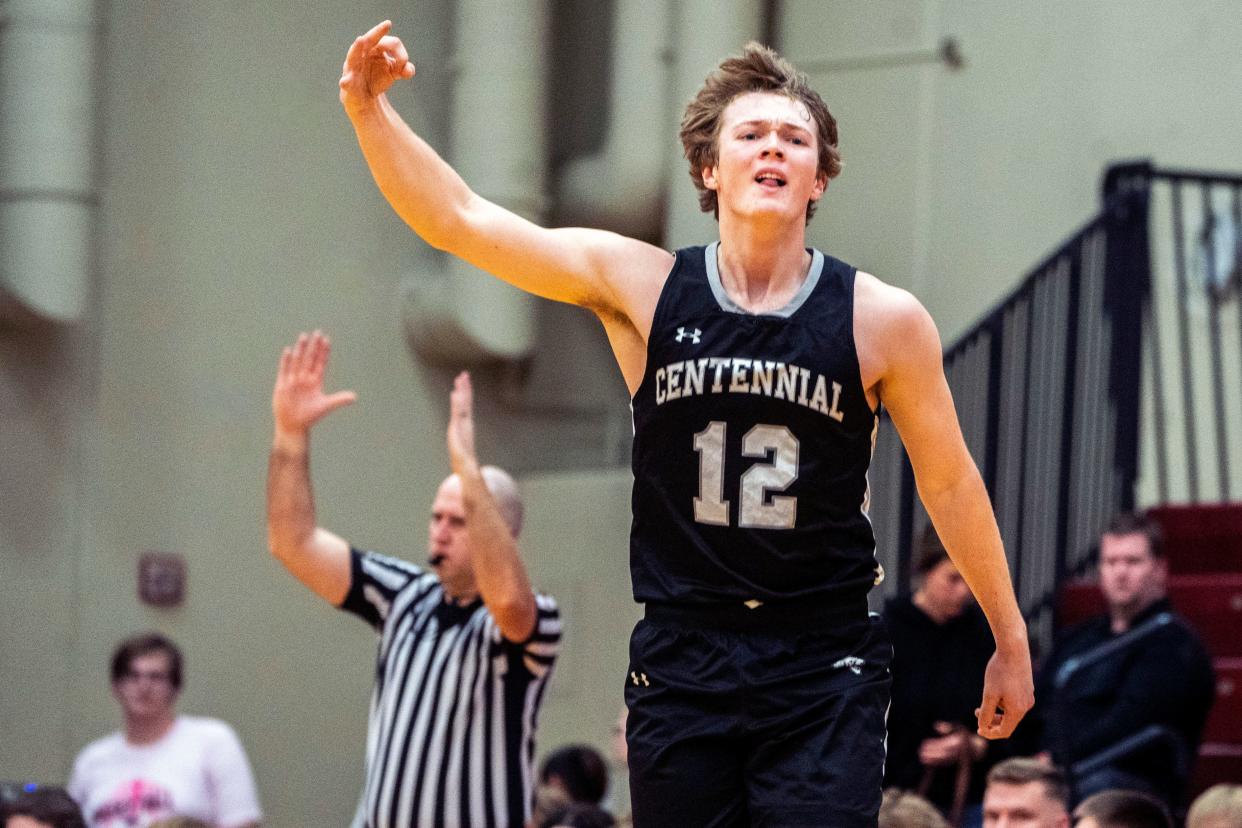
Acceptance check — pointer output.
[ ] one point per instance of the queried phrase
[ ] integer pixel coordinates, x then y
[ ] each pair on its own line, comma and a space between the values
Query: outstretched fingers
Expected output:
321, 347
461, 400
338, 400
461, 423
285, 366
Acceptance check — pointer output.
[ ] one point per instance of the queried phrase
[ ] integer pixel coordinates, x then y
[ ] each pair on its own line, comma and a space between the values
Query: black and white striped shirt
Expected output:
451, 738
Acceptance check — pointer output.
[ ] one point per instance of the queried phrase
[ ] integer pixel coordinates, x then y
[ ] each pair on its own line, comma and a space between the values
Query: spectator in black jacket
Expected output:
941, 645
1158, 674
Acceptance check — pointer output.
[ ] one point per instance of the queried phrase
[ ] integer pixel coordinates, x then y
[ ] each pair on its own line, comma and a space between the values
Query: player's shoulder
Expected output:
886, 301
889, 314
614, 253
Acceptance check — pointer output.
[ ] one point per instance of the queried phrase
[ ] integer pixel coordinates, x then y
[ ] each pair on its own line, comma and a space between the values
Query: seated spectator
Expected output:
1165, 678
578, 770
161, 764
902, 809
1220, 806
1122, 809
580, 815
549, 802
941, 646
41, 808
1027, 793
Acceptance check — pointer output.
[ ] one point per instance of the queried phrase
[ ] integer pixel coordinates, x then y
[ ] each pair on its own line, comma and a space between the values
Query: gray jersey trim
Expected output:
728, 305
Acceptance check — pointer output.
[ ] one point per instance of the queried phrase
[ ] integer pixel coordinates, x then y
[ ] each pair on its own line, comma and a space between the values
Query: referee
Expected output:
466, 647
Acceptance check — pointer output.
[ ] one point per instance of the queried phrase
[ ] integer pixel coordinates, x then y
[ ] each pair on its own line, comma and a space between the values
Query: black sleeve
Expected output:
538, 652
374, 580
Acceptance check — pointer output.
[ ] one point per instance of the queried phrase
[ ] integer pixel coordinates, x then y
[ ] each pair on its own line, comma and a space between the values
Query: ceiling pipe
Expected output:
706, 32
459, 315
47, 134
621, 188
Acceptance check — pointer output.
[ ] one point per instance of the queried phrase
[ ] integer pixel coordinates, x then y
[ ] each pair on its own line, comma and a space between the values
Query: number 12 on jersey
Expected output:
756, 511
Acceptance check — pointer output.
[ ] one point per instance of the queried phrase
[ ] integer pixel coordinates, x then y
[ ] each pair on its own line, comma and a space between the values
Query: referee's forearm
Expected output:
290, 498
498, 569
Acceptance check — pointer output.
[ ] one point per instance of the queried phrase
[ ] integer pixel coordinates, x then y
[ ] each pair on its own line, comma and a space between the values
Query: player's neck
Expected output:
762, 265
148, 730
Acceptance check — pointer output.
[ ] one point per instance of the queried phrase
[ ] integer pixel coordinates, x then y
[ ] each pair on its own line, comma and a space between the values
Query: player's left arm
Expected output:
498, 570
911, 384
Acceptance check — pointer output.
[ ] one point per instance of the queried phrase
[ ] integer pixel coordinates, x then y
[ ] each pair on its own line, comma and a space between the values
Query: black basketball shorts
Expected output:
779, 725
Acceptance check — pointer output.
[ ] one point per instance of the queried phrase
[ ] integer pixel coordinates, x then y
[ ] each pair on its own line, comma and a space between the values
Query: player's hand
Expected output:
1008, 692
298, 400
373, 63
461, 426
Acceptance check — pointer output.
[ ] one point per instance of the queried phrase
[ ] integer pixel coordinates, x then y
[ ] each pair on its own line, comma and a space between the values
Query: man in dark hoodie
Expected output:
1156, 672
941, 645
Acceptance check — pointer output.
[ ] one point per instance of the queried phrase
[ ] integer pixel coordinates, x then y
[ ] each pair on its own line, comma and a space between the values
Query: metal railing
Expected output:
1068, 383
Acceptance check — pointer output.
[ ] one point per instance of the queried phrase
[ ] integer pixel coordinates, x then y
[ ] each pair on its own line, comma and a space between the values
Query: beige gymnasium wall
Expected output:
957, 183
235, 210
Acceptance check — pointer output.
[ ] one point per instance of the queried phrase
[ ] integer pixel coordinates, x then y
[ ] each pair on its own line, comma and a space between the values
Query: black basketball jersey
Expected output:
752, 438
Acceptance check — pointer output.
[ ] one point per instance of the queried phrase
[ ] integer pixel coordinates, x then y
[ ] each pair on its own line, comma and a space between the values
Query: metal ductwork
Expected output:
707, 30
622, 187
47, 72
460, 315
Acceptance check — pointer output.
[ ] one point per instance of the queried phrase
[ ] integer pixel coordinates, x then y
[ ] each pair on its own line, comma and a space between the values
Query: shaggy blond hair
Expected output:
757, 69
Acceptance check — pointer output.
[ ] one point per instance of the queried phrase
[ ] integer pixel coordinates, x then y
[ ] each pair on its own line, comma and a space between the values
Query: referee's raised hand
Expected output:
298, 400
461, 426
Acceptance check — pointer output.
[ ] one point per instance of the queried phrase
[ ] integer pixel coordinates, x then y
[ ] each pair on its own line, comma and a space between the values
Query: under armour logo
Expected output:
637, 678
694, 335
853, 662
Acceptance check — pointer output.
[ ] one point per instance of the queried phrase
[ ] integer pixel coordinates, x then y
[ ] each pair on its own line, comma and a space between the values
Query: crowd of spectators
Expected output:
1138, 668
1121, 702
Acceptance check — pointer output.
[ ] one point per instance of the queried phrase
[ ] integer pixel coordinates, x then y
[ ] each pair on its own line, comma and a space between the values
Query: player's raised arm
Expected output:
914, 390
585, 267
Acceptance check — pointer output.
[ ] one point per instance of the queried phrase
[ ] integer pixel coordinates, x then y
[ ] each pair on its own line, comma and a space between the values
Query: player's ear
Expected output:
821, 186
709, 178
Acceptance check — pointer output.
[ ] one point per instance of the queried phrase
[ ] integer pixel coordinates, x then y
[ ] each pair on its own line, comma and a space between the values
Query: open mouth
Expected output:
770, 180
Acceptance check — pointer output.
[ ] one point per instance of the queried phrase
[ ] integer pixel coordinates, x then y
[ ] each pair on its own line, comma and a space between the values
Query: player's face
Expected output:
945, 591
1131, 577
767, 158
1021, 806
146, 691
448, 549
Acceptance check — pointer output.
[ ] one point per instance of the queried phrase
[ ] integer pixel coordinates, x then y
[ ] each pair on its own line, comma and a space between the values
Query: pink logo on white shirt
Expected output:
134, 804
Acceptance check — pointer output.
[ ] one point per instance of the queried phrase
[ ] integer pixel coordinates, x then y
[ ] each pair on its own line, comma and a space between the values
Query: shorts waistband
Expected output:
772, 618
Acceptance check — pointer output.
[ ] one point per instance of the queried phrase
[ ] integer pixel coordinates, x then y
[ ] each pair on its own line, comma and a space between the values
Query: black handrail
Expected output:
1050, 382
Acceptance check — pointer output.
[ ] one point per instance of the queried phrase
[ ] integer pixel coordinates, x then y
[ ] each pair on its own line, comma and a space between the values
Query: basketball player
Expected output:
757, 683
